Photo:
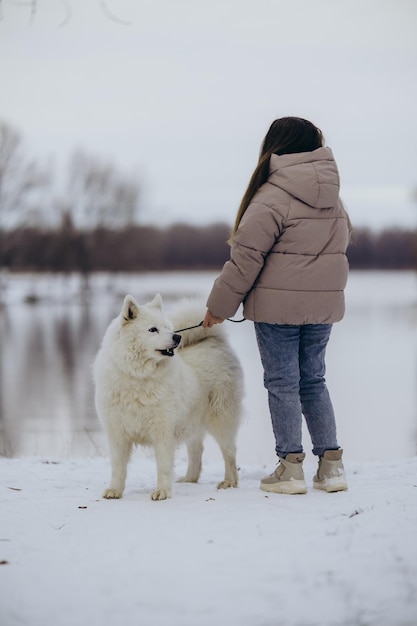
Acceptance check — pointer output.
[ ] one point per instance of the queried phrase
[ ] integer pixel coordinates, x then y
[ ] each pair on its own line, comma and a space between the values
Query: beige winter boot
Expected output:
288, 476
330, 473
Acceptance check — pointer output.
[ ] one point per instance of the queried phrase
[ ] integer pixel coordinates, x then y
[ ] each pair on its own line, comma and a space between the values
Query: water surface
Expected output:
50, 330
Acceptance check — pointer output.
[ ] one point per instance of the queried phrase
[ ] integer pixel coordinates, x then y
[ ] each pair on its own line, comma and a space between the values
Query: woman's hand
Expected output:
211, 319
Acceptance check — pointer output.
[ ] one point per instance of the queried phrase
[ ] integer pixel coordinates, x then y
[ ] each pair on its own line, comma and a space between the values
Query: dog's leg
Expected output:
228, 447
164, 453
195, 452
120, 453
230, 469
222, 423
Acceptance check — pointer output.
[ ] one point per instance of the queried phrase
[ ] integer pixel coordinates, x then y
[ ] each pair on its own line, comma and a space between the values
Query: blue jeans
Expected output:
293, 358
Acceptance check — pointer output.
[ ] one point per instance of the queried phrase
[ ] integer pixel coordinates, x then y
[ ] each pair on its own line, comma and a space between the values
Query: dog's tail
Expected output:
189, 313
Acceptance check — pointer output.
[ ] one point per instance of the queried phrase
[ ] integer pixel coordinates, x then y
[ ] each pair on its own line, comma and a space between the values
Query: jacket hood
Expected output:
311, 177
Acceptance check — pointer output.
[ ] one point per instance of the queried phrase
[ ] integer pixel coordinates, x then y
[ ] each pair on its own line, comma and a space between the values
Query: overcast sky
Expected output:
181, 93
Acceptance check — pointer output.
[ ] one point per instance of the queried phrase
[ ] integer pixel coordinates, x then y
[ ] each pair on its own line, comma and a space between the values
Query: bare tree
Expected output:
20, 178
67, 7
99, 195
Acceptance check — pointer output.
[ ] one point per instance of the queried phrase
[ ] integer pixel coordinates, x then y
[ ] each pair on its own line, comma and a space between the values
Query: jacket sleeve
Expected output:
258, 232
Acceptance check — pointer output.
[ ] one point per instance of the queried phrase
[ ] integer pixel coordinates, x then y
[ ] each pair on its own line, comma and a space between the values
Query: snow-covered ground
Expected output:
238, 557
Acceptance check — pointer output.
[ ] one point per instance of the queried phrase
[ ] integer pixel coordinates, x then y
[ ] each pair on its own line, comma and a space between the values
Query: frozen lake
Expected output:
49, 335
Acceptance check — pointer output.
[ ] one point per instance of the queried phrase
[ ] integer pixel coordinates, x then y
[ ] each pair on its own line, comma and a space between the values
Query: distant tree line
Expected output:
177, 247
391, 249
137, 248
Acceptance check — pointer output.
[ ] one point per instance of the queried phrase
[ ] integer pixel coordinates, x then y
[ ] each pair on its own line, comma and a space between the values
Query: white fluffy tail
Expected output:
189, 313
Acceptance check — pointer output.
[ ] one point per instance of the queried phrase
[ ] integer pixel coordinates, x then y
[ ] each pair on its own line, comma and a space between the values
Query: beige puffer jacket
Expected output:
287, 262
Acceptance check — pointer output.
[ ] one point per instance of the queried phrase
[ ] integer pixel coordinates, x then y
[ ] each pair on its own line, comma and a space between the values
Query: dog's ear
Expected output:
130, 308
156, 302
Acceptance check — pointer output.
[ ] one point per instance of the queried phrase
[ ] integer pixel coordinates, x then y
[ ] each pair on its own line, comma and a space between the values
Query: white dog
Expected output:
148, 394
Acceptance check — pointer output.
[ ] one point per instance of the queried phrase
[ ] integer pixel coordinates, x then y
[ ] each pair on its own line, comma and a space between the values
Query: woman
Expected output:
289, 268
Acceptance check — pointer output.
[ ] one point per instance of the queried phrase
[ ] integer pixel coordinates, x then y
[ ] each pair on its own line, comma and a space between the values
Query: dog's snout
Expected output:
177, 339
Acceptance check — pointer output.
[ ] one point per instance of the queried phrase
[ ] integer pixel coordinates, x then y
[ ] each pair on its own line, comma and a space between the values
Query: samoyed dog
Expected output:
157, 388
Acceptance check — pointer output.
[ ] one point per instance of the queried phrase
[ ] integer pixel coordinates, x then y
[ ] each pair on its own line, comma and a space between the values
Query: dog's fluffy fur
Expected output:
148, 393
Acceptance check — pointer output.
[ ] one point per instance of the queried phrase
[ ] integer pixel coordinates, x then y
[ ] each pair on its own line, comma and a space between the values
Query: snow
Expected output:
235, 557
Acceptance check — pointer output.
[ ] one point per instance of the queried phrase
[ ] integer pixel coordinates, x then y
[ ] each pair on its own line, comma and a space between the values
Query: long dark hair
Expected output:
286, 135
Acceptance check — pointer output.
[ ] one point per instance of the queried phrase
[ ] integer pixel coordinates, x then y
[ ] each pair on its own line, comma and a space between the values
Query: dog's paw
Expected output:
226, 484
112, 494
161, 494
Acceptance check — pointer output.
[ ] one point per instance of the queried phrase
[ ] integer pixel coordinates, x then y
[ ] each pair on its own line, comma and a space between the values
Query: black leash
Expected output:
201, 323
